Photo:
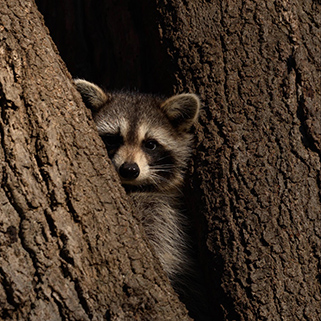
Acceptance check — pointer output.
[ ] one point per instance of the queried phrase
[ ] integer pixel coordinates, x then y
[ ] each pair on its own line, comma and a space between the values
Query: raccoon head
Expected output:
147, 137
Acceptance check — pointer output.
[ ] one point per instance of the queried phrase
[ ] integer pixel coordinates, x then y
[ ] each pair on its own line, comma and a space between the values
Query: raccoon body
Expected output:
147, 138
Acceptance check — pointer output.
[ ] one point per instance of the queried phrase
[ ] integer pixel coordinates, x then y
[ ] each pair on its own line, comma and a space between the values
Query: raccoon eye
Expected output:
151, 144
112, 141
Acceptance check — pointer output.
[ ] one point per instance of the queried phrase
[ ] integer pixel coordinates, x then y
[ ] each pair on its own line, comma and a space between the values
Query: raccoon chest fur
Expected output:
164, 227
148, 140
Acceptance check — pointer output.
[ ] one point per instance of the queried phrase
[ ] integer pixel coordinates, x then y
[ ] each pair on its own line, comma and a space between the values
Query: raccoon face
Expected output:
147, 137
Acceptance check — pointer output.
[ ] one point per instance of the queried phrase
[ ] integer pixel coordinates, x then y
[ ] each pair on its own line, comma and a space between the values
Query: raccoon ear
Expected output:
93, 96
182, 110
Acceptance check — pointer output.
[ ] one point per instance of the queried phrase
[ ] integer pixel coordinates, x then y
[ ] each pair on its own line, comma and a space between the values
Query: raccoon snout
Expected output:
129, 171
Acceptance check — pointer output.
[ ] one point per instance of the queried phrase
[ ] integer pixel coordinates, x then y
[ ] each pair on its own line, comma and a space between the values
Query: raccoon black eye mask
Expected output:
148, 140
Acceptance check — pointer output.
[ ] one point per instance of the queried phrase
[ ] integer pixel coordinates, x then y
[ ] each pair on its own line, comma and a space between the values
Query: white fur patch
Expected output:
141, 133
105, 126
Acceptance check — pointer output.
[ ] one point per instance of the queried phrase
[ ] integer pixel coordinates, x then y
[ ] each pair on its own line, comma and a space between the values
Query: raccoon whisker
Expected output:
158, 173
161, 166
164, 157
156, 178
155, 170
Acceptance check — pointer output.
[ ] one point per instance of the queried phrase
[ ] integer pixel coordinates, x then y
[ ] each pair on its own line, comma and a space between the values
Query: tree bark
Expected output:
70, 248
257, 166
254, 190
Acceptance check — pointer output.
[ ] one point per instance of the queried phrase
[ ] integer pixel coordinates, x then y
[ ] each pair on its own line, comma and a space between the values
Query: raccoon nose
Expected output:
129, 171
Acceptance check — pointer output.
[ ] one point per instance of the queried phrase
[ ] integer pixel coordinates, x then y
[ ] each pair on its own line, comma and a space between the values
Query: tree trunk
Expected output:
70, 248
257, 166
254, 188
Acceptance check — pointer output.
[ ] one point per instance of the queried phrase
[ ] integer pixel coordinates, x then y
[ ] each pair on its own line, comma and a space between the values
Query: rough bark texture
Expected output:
69, 246
257, 66
255, 193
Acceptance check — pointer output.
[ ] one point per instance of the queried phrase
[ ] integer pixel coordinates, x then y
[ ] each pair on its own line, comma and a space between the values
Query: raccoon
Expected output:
148, 140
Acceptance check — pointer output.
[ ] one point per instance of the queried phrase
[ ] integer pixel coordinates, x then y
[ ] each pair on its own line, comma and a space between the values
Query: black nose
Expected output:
129, 171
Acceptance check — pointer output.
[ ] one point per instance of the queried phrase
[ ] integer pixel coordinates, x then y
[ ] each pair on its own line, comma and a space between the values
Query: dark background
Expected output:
112, 43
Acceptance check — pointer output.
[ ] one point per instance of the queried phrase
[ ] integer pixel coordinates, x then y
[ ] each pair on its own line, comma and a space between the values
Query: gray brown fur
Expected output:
152, 133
